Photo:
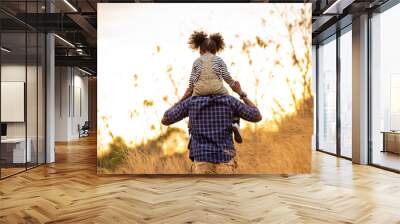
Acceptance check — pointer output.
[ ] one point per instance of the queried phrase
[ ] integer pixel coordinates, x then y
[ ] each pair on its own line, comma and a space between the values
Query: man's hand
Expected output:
176, 113
237, 88
165, 121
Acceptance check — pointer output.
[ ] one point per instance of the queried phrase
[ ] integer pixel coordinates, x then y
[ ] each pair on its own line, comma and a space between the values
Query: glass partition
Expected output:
346, 93
327, 96
22, 89
14, 153
32, 95
385, 89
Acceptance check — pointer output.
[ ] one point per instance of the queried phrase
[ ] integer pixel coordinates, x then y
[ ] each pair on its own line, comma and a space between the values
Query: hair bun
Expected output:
196, 39
219, 41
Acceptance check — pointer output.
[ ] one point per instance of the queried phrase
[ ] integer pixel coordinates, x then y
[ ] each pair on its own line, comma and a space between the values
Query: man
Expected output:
211, 145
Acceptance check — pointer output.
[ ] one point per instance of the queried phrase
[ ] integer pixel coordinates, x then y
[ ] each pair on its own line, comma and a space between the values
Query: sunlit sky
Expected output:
138, 44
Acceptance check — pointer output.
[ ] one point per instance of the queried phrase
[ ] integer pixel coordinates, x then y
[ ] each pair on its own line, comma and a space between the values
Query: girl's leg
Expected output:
189, 133
236, 130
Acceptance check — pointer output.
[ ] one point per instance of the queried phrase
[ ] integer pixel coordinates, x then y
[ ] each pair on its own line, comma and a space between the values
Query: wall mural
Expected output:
144, 67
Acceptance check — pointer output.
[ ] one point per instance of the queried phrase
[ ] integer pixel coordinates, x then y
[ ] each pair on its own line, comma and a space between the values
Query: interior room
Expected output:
22, 104
102, 120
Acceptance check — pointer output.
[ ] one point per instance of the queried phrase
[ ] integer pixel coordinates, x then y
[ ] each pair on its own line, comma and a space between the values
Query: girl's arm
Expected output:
193, 76
188, 93
224, 73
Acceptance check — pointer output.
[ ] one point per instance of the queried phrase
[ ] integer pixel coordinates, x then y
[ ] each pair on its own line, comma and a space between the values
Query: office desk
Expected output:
13, 150
391, 141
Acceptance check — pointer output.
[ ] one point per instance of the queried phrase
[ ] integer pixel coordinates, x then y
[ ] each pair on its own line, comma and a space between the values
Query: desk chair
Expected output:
84, 130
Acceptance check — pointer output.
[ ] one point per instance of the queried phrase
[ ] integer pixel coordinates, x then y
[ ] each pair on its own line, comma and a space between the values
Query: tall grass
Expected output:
282, 146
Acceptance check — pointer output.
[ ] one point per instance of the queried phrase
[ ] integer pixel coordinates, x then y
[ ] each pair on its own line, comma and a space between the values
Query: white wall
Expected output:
80, 111
62, 81
12, 73
71, 102
33, 127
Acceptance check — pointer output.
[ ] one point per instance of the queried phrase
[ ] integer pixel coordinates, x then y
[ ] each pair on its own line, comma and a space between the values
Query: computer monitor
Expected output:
3, 129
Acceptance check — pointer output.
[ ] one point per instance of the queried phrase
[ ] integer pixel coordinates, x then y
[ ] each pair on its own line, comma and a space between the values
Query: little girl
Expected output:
209, 71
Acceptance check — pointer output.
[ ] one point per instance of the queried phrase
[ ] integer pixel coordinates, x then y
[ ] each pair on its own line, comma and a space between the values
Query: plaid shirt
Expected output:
211, 125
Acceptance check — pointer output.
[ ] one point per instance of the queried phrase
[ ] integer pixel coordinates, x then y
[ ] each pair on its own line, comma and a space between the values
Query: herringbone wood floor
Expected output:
69, 191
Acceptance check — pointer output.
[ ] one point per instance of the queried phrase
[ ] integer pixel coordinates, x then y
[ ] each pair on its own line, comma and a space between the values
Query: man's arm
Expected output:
257, 115
176, 113
248, 102
247, 111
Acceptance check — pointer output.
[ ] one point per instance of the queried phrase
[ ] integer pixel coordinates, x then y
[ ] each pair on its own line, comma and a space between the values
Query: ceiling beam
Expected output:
82, 61
338, 6
84, 24
320, 22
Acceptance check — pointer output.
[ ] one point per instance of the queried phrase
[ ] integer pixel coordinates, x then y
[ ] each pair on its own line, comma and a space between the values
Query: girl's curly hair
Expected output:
219, 41
196, 39
213, 44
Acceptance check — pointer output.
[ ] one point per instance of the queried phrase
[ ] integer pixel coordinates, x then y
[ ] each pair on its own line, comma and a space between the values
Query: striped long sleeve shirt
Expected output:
218, 66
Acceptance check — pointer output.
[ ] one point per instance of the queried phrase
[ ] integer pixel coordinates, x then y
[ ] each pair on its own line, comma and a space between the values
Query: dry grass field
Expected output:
284, 150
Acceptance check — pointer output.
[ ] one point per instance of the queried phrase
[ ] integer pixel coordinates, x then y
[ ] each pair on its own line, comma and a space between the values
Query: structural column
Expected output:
360, 90
50, 92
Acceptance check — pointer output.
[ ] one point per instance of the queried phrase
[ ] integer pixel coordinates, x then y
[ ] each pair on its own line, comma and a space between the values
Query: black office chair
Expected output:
84, 130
